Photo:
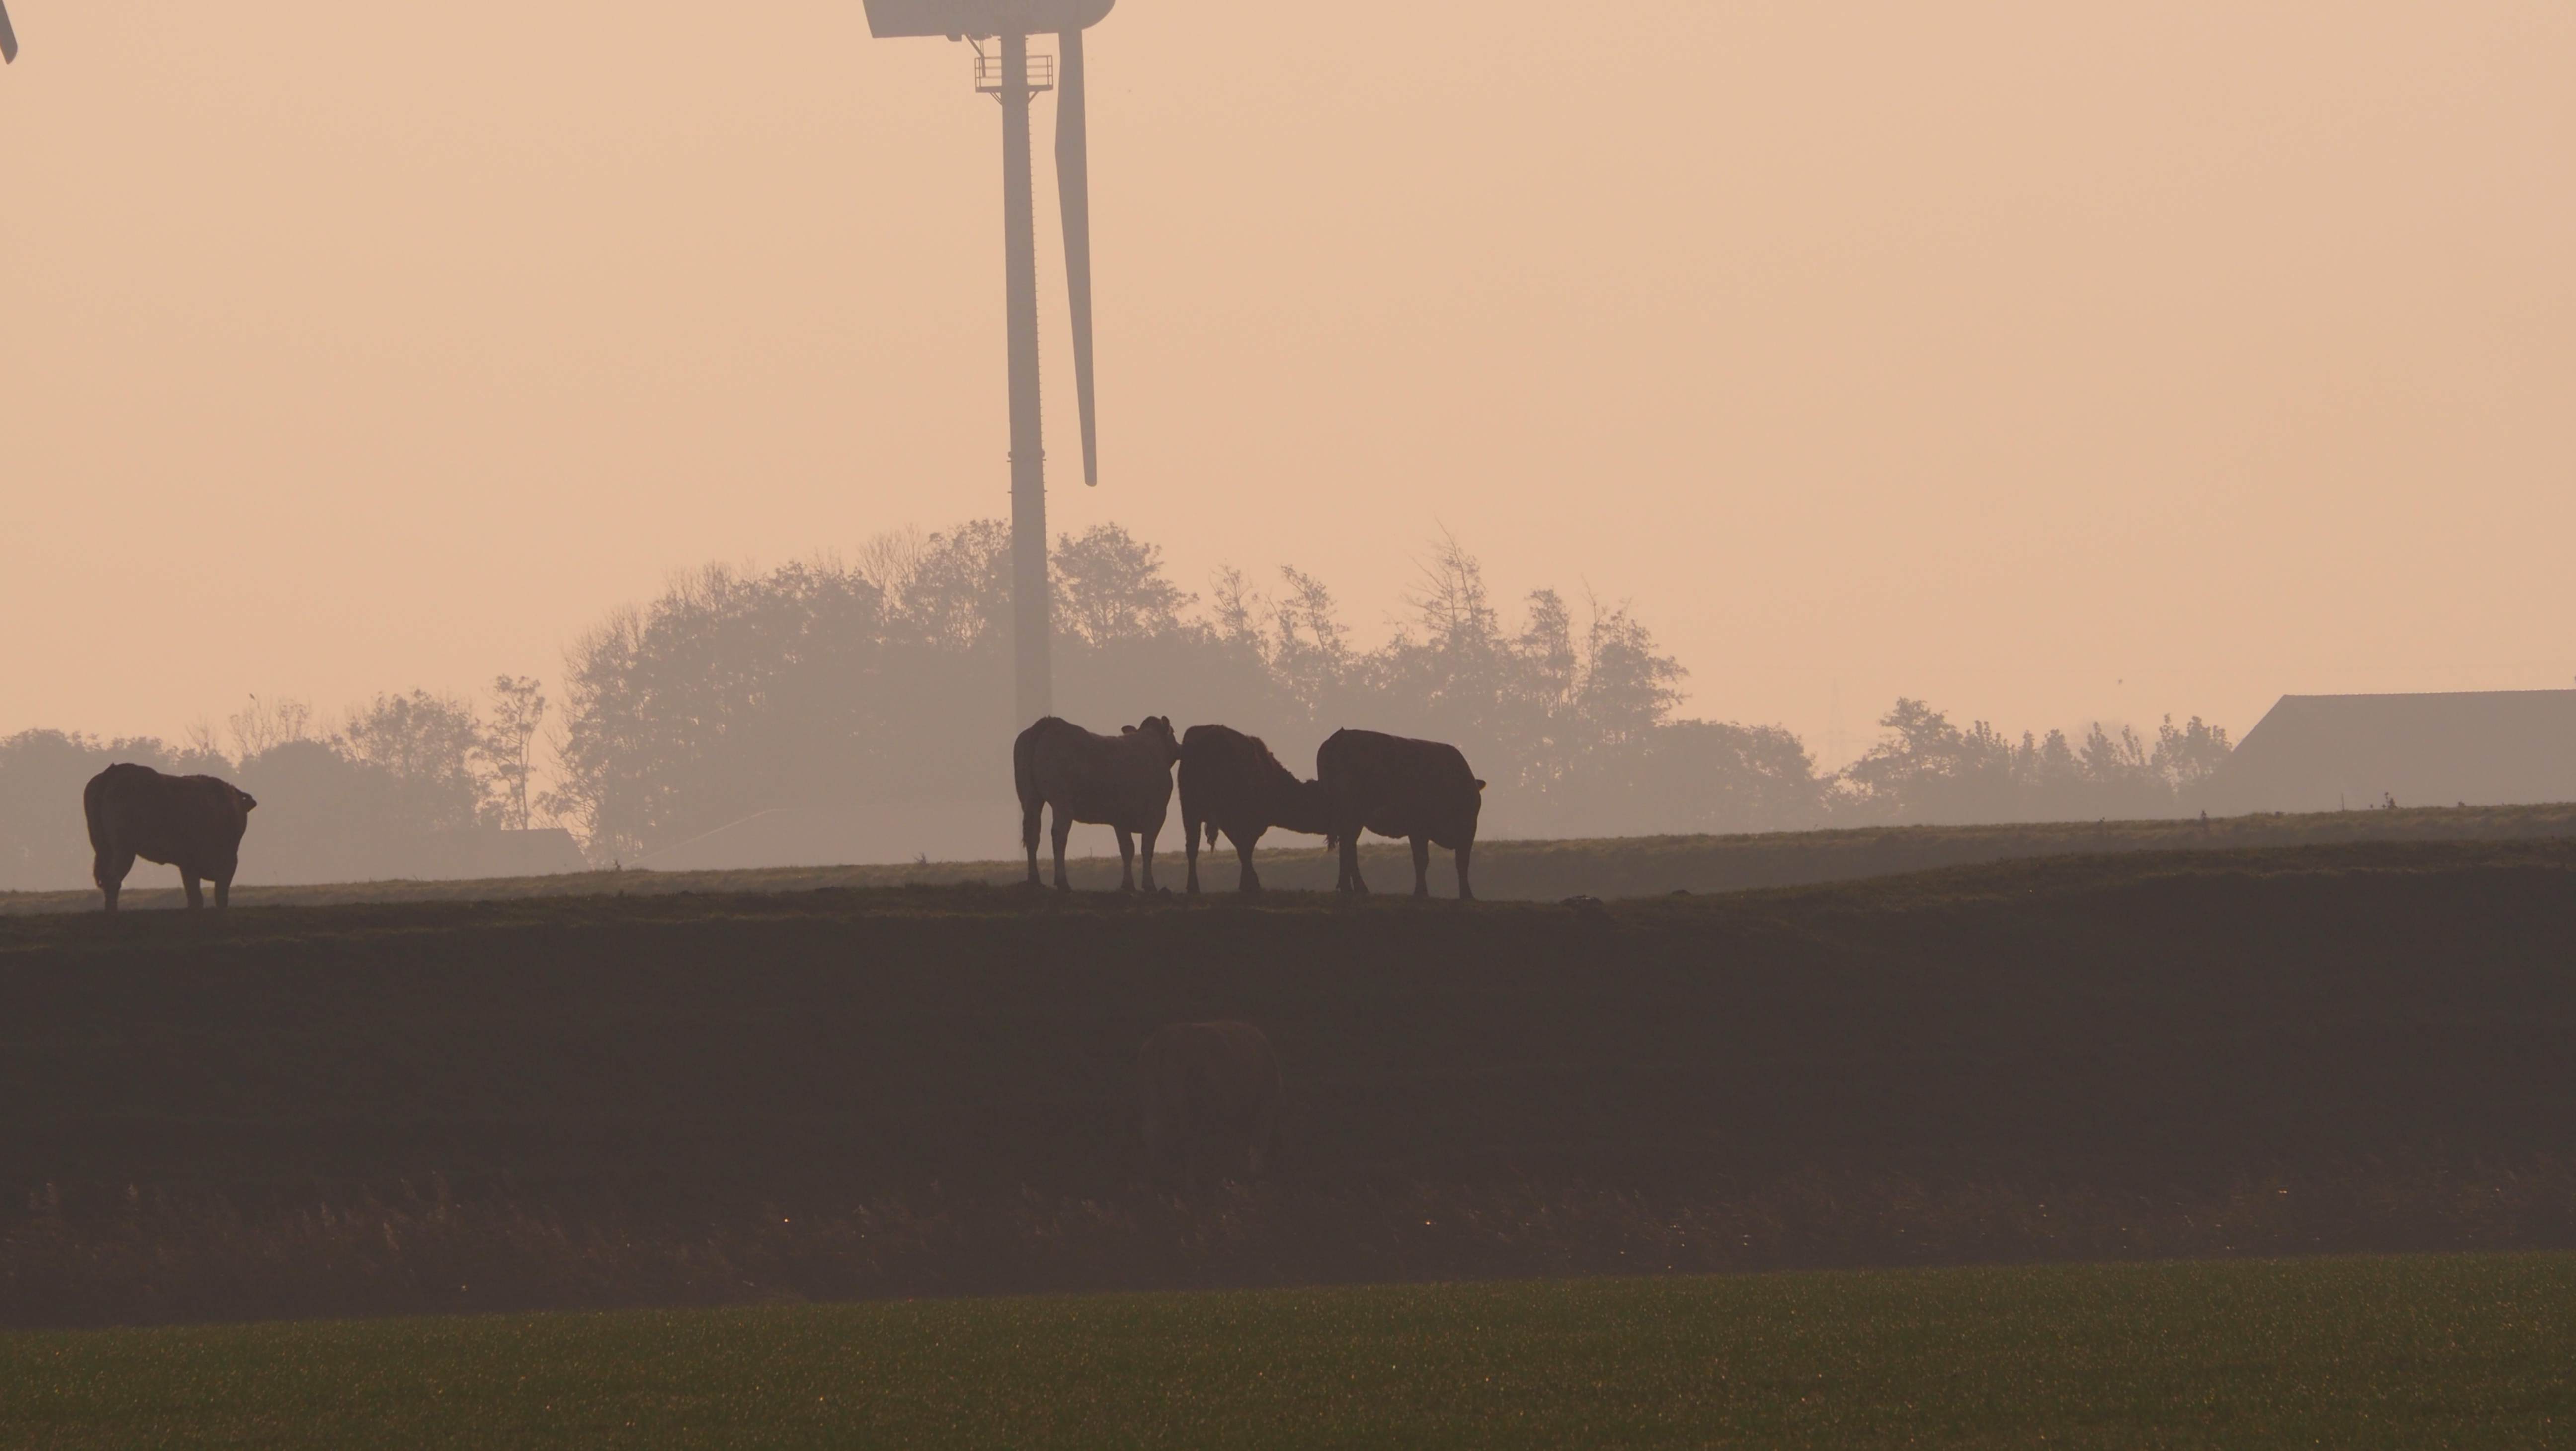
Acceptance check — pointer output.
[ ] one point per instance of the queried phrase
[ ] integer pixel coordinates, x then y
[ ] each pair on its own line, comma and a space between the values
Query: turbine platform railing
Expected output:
988, 74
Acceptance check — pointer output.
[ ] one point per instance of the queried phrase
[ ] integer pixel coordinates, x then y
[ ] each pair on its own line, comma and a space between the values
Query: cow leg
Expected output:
1351, 879
1126, 860
109, 872
1063, 829
224, 888
1421, 867
1190, 852
1251, 882
1466, 849
1029, 834
196, 897
1147, 844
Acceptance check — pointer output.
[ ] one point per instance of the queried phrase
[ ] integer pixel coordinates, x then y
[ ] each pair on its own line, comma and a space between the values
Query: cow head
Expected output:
1158, 729
1304, 806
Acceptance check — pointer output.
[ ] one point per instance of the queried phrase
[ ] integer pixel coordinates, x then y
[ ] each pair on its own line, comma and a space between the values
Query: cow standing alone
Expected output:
194, 823
1210, 1097
1123, 781
1231, 783
1421, 790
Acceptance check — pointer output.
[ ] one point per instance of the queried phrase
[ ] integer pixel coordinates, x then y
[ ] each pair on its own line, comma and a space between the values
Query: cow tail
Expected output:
1211, 835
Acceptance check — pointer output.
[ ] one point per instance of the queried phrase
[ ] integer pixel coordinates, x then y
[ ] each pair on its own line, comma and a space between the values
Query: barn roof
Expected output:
2482, 747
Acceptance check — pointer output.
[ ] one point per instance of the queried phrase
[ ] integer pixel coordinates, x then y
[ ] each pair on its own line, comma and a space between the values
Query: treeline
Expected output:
414, 785
886, 678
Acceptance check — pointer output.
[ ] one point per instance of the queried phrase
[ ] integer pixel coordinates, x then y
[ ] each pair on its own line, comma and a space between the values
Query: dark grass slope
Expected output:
1526, 870
2147, 1034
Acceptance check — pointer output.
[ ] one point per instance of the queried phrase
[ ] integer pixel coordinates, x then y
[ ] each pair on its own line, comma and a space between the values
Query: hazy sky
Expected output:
2046, 360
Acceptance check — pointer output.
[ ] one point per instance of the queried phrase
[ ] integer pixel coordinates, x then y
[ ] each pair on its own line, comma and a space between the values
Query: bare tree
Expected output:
1235, 609
891, 558
200, 740
508, 744
264, 725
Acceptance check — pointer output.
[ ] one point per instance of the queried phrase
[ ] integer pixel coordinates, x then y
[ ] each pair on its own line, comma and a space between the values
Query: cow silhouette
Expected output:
194, 823
1231, 783
1420, 790
1123, 781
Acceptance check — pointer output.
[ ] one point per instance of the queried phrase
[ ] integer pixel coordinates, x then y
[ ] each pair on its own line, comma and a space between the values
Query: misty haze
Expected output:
851, 678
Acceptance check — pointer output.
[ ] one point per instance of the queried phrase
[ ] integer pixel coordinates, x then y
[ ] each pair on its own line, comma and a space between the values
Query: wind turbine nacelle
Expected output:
888, 19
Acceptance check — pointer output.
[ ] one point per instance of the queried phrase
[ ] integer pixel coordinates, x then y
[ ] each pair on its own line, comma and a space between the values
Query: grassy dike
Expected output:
2462, 1351
1505, 869
604, 1103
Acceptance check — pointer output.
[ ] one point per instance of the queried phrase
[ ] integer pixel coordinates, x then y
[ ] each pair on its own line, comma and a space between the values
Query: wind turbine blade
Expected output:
8, 37
1073, 186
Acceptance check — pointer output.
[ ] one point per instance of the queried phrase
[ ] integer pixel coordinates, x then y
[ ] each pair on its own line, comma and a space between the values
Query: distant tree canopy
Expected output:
1927, 769
888, 679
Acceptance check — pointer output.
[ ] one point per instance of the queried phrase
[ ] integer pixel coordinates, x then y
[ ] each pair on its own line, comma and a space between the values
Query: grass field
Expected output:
2454, 1351
1505, 870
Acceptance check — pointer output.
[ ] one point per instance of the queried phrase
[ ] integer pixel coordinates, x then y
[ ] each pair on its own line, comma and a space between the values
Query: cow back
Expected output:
189, 821
1121, 780
1396, 786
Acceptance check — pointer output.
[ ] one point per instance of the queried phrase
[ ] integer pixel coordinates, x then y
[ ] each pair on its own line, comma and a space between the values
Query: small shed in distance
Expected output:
2481, 747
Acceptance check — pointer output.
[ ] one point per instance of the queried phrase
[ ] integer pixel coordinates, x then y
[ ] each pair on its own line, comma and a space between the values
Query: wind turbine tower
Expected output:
8, 38
1011, 75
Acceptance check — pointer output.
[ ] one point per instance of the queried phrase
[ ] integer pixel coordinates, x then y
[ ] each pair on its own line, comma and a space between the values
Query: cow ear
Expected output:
1480, 785
1126, 730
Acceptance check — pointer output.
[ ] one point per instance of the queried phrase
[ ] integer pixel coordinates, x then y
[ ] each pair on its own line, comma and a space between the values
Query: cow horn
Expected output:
1073, 188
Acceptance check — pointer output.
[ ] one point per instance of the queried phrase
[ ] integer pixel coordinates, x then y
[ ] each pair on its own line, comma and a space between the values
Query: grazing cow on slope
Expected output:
1211, 1097
1396, 787
1231, 783
1123, 781
194, 823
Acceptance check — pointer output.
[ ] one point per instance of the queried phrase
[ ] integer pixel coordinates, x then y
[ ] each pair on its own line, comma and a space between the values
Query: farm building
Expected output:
2482, 748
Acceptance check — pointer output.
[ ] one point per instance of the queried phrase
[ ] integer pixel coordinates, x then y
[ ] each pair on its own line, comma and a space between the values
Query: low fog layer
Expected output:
878, 690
